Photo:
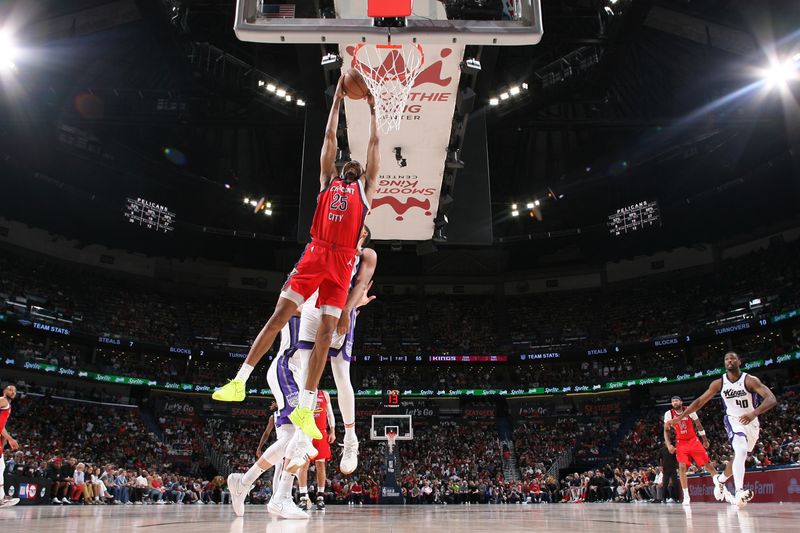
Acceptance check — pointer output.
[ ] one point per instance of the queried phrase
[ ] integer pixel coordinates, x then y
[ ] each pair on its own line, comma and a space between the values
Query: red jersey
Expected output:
684, 430
4, 414
341, 210
321, 412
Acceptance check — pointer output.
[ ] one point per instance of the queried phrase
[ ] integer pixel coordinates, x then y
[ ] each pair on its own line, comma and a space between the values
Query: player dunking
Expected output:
9, 393
740, 391
340, 355
688, 447
323, 415
326, 264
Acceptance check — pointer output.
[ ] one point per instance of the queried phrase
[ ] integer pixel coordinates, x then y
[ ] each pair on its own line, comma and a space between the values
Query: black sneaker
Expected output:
320, 503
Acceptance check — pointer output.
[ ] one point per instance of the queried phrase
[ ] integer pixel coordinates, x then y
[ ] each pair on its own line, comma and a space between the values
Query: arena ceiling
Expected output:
622, 107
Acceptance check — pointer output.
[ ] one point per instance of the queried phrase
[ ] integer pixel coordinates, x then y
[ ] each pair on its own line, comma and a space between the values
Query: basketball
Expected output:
354, 85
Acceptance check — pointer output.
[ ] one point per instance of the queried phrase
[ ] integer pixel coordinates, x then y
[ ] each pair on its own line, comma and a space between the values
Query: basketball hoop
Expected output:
391, 438
389, 71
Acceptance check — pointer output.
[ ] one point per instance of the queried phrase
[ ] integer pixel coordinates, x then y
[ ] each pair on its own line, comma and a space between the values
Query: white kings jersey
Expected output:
738, 400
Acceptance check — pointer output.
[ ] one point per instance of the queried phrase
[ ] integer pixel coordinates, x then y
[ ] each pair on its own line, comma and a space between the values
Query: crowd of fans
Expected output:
437, 324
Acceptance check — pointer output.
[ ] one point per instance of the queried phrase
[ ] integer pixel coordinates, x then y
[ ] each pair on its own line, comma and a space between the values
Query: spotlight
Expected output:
514, 207
288, 97
525, 86
331, 62
268, 212
514, 213
269, 205
246, 200
281, 92
529, 205
260, 83
227, 186
8, 52
300, 102
780, 73
536, 203
398, 155
470, 66
609, 11
271, 87
514, 91
503, 96
254, 203
493, 101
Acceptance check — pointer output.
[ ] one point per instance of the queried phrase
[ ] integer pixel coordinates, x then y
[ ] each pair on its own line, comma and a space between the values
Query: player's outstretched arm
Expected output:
703, 399
327, 158
701, 432
331, 418
754, 384
369, 260
373, 152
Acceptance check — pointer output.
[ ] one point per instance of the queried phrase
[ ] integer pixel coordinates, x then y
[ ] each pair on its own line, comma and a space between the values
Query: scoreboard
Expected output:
149, 215
634, 217
391, 399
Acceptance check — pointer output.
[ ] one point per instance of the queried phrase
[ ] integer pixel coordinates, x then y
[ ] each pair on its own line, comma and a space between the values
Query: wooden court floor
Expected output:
642, 518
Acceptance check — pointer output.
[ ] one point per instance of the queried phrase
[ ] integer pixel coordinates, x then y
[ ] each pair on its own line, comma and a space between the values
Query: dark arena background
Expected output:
582, 208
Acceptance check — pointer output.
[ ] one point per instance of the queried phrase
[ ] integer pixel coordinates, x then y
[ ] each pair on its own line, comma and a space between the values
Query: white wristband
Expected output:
702, 433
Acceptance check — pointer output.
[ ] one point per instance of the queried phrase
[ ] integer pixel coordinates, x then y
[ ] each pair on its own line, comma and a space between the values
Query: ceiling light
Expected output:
514, 207
253, 203
268, 212
514, 91
301, 102
288, 97
271, 87
269, 205
504, 96
260, 83
515, 213
281, 92
493, 101
525, 86
246, 200
529, 205
536, 203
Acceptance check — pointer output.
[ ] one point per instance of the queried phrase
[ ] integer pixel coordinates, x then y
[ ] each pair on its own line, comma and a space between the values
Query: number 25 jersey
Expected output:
341, 210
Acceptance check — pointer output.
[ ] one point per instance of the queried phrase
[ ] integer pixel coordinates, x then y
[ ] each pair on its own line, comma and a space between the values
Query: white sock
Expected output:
252, 475
285, 485
345, 396
276, 476
685, 493
739, 458
244, 373
303, 491
308, 399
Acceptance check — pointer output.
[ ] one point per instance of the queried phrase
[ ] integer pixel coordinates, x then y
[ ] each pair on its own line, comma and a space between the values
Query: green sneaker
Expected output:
232, 391
303, 417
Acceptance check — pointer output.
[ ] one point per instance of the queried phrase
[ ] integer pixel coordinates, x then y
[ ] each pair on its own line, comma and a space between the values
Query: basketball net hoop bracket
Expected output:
389, 71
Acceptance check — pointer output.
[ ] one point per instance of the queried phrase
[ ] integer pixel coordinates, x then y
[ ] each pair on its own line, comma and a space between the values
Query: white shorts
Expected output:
310, 318
749, 431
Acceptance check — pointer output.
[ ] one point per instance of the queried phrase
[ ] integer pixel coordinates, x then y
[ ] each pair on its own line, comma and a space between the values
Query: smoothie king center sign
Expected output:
407, 198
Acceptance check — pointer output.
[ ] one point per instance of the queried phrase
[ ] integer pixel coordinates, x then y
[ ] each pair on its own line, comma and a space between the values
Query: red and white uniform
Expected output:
4, 414
327, 262
688, 446
321, 418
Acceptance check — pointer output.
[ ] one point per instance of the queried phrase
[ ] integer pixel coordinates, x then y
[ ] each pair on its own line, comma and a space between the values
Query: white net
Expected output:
391, 439
389, 71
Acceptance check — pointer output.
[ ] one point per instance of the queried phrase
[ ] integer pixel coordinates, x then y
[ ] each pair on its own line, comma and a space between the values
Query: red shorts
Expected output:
326, 267
323, 447
691, 449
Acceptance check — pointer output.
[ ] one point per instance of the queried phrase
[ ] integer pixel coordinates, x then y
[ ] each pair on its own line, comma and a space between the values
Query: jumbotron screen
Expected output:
641, 215
149, 215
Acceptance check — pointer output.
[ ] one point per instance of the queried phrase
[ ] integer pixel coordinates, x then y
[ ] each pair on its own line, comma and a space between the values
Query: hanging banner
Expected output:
407, 197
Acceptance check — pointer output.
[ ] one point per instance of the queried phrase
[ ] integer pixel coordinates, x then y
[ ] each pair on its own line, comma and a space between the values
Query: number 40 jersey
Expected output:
738, 400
